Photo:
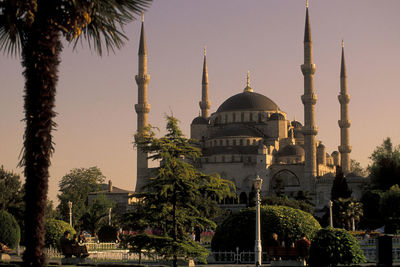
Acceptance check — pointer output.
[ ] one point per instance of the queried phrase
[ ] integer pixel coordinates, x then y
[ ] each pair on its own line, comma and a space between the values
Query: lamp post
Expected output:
257, 247
109, 216
330, 213
70, 212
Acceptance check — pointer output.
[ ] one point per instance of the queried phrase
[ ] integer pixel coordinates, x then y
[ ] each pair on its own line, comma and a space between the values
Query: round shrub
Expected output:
55, 230
332, 246
107, 233
9, 230
238, 230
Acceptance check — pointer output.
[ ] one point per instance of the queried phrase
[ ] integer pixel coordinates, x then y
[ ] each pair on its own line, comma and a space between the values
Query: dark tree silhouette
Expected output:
34, 29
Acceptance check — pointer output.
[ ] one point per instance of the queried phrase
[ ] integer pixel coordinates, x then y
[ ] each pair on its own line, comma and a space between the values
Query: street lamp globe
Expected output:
258, 183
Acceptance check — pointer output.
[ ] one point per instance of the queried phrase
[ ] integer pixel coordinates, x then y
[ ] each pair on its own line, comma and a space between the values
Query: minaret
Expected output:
344, 122
142, 108
309, 99
205, 104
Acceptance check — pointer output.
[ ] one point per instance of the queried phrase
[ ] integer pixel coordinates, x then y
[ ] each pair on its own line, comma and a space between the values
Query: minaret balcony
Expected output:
309, 130
142, 78
309, 99
344, 123
205, 105
344, 99
142, 108
344, 149
308, 68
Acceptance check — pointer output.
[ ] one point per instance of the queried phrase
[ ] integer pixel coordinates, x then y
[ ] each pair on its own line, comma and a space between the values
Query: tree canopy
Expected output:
340, 189
75, 186
11, 194
178, 197
385, 167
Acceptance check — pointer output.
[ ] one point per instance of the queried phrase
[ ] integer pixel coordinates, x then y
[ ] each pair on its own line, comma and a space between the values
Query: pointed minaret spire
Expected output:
309, 99
142, 109
248, 88
307, 30
344, 122
343, 64
205, 104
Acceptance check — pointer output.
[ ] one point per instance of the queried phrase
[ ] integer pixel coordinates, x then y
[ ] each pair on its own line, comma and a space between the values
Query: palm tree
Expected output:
34, 30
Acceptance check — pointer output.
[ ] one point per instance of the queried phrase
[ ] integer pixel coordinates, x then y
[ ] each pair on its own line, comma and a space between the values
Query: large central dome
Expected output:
248, 101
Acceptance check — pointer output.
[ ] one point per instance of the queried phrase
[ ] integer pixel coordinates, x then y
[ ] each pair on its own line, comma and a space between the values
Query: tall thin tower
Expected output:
142, 108
309, 100
205, 104
344, 122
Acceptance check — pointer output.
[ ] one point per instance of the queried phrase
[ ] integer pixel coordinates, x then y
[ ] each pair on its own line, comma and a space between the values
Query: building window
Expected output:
242, 116
251, 116
248, 142
226, 118
220, 142
223, 158
241, 142
249, 159
234, 117
215, 142
234, 142
259, 117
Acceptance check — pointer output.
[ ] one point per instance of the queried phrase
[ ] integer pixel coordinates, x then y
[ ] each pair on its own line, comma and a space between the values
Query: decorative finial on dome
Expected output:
306, 3
248, 88
342, 43
142, 16
205, 51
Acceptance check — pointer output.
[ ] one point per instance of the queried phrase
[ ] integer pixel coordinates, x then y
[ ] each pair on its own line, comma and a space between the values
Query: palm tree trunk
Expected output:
40, 59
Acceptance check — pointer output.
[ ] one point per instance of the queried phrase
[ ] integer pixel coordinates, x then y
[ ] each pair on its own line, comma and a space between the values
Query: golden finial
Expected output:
294, 118
342, 43
306, 3
142, 16
248, 78
205, 51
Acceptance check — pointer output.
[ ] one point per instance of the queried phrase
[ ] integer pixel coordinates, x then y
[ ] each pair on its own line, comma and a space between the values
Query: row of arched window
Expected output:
232, 142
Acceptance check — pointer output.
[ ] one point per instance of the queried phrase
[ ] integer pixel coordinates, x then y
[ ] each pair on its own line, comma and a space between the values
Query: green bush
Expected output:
9, 230
238, 230
107, 233
55, 230
332, 246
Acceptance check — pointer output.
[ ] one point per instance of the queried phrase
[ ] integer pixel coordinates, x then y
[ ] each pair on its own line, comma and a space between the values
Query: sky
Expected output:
96, 95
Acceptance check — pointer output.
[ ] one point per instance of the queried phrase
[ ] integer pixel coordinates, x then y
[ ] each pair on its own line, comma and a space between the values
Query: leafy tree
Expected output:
385, 167
389, 208
55, 230
179, 197
96, 214
9, 229
285, 201
372, 218
238, 230
34, 28
75, 187
357, 169
108, 233
11, 194
340, 189
345, 210
332, 247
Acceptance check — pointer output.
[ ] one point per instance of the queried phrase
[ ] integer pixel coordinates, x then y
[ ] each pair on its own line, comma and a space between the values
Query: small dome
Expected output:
248, 101
321, 145
199, 120
296, 124
277, 117
334, 153
291, 150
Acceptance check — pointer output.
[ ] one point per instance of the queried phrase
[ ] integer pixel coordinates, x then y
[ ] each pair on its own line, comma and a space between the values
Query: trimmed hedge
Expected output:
9, 230
107, 233
333, 246
55, 230
238, 230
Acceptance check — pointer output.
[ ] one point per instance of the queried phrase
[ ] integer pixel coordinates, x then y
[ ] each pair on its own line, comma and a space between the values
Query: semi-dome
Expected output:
291, 150
277, 117
199, 120
248, 101
296, 124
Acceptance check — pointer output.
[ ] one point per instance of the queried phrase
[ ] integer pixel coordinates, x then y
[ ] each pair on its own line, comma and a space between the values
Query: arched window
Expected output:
242, 117
234, 117
226, 118
241, 142
234, 142
248, 142
251, 116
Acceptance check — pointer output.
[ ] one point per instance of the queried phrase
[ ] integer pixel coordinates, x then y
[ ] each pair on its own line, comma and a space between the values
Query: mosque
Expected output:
249, 136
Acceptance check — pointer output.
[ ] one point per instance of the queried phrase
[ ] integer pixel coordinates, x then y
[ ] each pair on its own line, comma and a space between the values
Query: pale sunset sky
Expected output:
96, 96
